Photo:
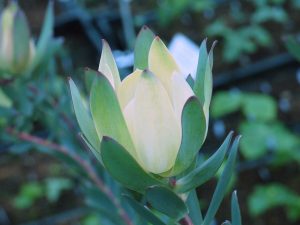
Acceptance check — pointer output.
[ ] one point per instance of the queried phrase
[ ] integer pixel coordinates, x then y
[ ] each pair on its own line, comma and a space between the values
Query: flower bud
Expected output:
15, 50
153, 113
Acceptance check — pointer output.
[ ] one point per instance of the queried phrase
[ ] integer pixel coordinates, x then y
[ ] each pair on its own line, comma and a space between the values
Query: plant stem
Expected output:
186, 221
83, 163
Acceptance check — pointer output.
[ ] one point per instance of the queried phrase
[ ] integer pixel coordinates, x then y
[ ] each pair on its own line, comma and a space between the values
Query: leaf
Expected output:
205, 171
21, 39
194, 208
259, 107
190, 81
55, 186
141, 49
5, 101
193, 134
224, 103
222, 184
235, 210
45, 36
106, 112
293, 46
143, 211
84, 118
272, 196
203, 81
108, 66
122, 166
166, 201
257, 139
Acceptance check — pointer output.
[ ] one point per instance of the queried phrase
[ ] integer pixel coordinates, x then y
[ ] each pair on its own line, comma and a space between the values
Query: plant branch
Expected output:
83, 163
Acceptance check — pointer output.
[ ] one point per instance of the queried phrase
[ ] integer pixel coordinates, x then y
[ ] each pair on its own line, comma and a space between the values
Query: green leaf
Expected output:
55, 186
224, 103
205, 171
123, 167
193, 134
21, 39
94, 151
166, 201
203, 81
5, 101
84, 118
194, 208
106, 112
235, 210
293, 46
190, 81
141, 49
259, 107
257, 139
272, 196
222, 184
143, 211
28, 194
45, 36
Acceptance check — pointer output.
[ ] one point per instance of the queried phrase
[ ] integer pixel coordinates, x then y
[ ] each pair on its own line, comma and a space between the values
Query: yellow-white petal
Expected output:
153, 125
181, 92
127, 88
162, 63
108, 66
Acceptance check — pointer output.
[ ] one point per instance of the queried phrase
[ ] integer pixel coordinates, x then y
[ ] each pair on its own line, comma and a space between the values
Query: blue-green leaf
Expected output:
84, 118
205, 171
222, 184
45, 36
293, 46
193, 134
235, 210
194, 208
141, 49
123, 167
106, 112
143, 211
166, 201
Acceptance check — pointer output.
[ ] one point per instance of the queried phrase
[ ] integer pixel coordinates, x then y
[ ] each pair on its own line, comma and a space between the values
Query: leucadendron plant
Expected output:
147, 129
19, 55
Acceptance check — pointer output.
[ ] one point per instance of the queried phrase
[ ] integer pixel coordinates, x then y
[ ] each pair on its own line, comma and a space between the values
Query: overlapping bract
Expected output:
153, 113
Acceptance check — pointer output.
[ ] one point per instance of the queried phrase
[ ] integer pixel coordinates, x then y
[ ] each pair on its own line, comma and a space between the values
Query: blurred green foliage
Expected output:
51, 188
274, 195
242, 28
261, 129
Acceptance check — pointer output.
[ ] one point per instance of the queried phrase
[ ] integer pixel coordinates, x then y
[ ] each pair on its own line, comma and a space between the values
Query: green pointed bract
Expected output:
223, 184
93, 149
204, 171
123, 167
141, 49
166, 201
45, 37
190, 81
193, 131
143, 211
108, 66
84, 118
235, 210
21, 40
203, 83
106, 112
